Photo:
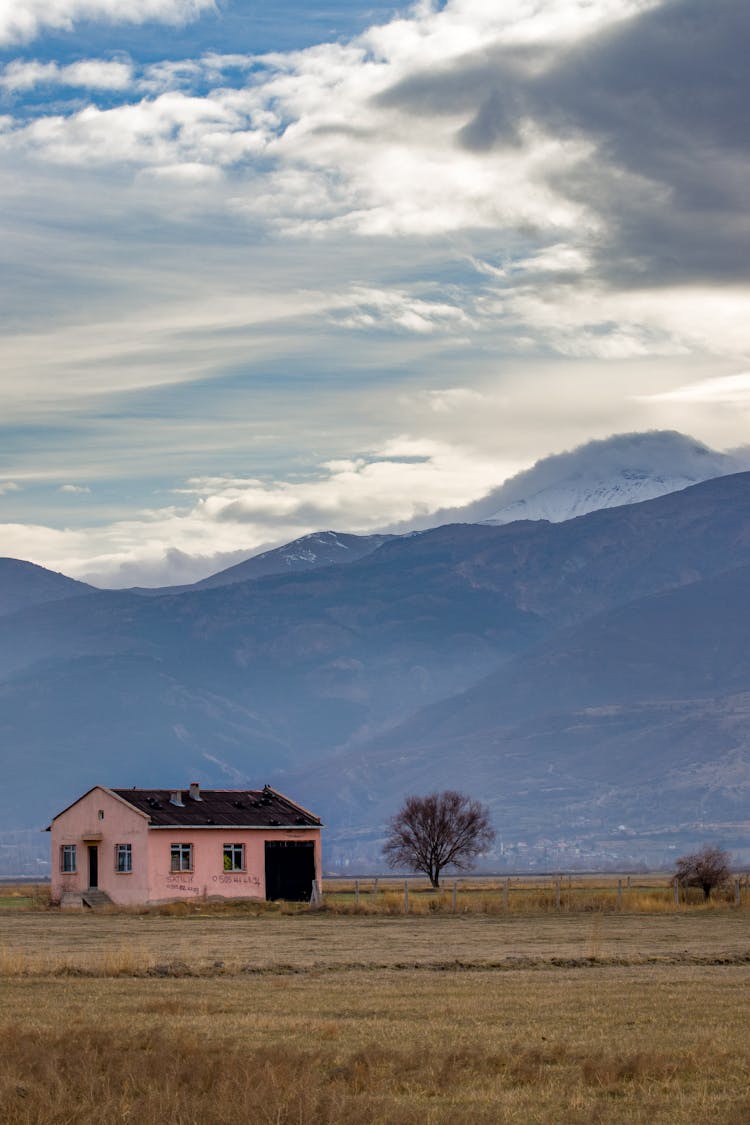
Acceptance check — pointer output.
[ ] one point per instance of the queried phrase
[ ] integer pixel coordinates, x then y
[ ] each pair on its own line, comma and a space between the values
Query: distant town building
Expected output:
139, 846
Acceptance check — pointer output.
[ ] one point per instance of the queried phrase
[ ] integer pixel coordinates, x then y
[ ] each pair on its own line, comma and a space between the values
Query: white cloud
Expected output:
441, 33
454, 398
8, 486
730, 390
559, 258
99, 74
92, 74
171, 74
334, 157
370, 308
171, 129
74, 488
228, 518
20, 75
589, 319
405, 476
22, 20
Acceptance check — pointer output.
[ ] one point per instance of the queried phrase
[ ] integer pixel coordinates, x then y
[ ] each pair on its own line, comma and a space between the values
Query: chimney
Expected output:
195, 791
176, 798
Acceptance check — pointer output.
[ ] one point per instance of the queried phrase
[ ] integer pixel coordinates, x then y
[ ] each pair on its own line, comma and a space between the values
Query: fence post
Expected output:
557, 894
455, 894
356, 892
737, 896
619, 894
375, 887
406, 896
628, 882
676, 893
506, 884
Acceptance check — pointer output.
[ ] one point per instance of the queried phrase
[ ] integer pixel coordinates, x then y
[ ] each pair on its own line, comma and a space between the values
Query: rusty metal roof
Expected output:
230, 808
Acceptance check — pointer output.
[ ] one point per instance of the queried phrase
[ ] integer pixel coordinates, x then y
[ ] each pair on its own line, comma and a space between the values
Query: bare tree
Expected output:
441, 830
707, 869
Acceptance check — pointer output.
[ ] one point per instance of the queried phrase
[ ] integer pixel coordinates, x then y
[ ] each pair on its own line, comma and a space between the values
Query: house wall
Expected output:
208, 876
82, 825
104, 821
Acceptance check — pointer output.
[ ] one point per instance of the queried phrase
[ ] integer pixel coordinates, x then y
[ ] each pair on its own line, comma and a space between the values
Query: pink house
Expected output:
134, 846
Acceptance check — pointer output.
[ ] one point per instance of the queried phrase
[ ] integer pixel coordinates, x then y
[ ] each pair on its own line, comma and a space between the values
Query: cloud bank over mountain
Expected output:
623, 469
218, 522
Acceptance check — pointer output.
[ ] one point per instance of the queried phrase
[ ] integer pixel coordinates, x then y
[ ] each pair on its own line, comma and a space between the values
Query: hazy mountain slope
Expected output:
118, 718
24, 584
310, 658
637, 715
688, 643
283, 669
671, 770
622, 469
322, 548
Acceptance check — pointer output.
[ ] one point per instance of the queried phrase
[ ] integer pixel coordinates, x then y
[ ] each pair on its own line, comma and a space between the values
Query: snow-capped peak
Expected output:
622, 469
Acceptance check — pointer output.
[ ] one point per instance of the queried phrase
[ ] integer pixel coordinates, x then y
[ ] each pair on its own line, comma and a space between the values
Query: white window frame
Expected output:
68, 859
233, 852
124, 859
179, 856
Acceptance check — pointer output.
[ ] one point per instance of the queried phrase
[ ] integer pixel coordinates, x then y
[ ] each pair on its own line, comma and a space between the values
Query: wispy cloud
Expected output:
730, 390
369, 308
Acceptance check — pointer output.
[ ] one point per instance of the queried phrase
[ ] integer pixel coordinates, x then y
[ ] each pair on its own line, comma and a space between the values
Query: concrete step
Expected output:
94, 897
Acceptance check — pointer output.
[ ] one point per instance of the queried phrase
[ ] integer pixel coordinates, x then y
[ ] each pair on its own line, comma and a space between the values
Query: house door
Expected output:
290, 869
93, 865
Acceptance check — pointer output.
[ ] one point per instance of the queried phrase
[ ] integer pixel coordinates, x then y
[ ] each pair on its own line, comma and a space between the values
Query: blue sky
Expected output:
272, 268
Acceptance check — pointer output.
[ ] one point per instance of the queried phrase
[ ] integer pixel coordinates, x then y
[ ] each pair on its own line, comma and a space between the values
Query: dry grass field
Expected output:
543, 1018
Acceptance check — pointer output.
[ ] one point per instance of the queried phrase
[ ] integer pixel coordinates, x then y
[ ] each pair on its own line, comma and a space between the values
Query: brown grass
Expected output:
526, 895
619, 1047
93, 944
238, 1012
178, 1077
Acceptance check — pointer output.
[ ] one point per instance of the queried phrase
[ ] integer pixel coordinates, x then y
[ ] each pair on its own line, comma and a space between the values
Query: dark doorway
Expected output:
93, 865
290, 869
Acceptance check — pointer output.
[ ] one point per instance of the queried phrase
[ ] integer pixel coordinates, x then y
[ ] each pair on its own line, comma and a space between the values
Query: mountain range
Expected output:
589, 679
321, 548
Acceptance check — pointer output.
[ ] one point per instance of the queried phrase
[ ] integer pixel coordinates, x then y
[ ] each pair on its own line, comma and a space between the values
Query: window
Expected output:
182, 857
68, 858
123, 858
234, 857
